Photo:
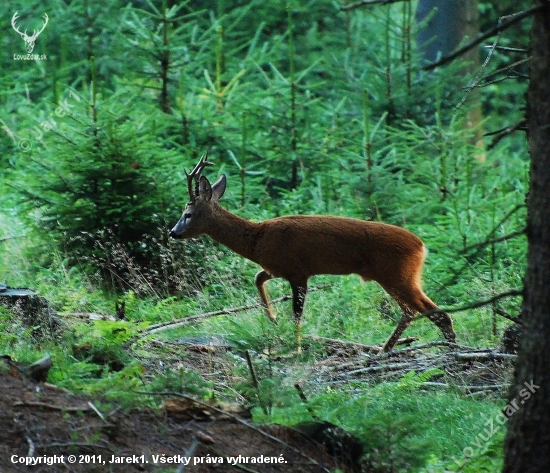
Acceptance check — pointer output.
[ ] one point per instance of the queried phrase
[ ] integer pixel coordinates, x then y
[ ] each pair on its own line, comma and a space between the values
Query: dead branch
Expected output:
11, 237
493, 31
255, 382
189, 453
506, 315
474, 305
366, 3
504, 129
384, 367
501, 134
483, 356
96, 410
303, 397
496, 240
507, 68
458, 272
76, 444
30, 453
493, 387
510, 50
56, 388
197, 318
498, 80
361, 346
45, 405
89, 316
422, 347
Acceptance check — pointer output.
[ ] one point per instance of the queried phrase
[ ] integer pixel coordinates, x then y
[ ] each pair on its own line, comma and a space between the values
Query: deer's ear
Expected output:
218, 188
205, 190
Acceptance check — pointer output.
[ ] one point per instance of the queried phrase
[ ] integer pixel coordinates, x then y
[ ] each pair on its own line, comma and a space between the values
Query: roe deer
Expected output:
297, 247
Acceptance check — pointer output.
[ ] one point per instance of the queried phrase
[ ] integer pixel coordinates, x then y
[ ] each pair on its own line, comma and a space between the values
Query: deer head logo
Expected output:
29, 40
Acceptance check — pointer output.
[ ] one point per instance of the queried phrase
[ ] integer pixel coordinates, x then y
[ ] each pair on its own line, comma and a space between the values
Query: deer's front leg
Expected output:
260, 279
299, 291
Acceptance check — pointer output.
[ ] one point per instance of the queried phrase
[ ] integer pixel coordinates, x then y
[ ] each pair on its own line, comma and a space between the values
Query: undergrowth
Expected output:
307, 110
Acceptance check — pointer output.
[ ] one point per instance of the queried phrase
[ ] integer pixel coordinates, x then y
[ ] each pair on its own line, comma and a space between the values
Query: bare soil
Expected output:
42, 420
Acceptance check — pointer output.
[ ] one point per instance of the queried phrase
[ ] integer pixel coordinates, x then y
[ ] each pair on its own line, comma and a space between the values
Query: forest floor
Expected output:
44, 421
47, 422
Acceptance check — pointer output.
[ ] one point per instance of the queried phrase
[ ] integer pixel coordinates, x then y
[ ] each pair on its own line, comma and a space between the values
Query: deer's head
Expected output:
197, 214
29, 40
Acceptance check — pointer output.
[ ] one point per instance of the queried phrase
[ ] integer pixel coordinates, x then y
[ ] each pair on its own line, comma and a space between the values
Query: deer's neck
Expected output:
237, 233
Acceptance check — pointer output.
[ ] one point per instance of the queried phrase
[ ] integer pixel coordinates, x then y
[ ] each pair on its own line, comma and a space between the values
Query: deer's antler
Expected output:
195, 175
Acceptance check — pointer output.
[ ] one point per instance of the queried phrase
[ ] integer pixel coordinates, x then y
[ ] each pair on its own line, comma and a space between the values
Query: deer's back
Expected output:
302, 246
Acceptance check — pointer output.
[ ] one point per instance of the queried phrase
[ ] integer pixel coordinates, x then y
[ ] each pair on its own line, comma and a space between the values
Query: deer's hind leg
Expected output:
411, 302
439, 318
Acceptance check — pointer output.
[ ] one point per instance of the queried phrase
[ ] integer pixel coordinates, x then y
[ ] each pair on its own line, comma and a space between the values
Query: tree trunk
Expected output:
527, 445
452, 22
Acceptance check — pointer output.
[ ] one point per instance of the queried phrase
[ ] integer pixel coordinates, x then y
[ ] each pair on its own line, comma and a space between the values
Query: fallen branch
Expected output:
189, 453
89, 316
374, 369
493, 387
76, 444
374, 348
56, 388
30, 452
194, 318
422, 347
484, 356
97, 411
255, 382
45, 405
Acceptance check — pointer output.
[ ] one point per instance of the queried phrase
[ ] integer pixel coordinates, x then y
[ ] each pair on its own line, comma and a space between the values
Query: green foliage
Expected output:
413, 380
306, 109
389, 447
95, 179
103, 342
181, 381
401, 431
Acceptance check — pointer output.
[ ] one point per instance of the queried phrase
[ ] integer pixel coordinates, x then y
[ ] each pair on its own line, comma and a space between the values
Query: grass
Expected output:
431, 426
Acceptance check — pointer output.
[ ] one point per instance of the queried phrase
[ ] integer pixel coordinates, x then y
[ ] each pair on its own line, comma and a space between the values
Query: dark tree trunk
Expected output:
527, 446
452, 22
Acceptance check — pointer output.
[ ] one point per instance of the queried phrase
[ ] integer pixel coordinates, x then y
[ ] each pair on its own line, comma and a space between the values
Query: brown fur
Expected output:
298, 247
